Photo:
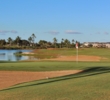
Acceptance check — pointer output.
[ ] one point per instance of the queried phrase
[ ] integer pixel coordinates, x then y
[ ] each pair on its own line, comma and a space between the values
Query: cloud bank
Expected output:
72, 32
53, 32
98, 33
5, 31
106, 33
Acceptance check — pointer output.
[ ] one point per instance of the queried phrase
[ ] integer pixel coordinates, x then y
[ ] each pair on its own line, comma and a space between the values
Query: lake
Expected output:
8, 55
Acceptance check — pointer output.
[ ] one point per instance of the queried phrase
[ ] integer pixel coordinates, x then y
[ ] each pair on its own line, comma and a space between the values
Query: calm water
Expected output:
8, 55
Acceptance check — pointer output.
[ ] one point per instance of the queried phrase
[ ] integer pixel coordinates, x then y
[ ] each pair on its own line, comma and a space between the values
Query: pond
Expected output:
8, 55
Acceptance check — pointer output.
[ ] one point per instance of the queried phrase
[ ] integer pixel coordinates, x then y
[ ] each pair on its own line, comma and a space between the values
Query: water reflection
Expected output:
18, 57
2, 56
8, 55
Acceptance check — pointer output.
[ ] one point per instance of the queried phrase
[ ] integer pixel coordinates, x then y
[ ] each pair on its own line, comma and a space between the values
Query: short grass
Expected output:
49, 66
45, 53
91, 84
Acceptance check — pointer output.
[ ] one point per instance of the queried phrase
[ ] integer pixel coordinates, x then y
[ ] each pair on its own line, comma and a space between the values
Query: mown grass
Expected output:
48, 66
91, 84
45, 53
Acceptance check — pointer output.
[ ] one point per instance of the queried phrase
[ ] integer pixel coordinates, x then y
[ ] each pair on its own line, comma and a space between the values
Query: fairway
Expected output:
92, 84
57, 80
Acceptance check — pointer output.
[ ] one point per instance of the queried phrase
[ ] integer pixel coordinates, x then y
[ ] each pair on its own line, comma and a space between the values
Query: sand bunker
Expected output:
79, 58
9, 78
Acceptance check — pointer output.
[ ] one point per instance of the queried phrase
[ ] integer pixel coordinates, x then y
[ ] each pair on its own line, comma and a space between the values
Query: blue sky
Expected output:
81, 20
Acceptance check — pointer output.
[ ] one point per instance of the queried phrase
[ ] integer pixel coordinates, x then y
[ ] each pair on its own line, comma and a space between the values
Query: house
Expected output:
95, 44
86, 44
107, 45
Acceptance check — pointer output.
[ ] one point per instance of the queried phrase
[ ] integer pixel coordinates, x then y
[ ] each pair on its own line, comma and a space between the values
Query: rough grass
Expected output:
91, 84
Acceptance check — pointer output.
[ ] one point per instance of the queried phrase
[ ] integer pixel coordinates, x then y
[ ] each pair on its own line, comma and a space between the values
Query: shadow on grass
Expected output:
85, 73
8, 61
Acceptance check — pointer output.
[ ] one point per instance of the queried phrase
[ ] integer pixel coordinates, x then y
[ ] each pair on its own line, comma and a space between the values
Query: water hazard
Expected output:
9, 55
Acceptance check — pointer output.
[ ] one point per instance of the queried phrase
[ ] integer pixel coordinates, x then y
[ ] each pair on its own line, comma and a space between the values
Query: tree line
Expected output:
19, 43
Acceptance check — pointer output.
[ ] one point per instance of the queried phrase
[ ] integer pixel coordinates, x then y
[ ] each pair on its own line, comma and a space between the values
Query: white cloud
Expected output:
72, 32
5, 31
13, 31
106, 33
98, 33
53, 32
2, 34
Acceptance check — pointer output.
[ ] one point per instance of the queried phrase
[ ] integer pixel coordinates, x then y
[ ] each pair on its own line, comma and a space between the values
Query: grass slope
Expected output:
91, 84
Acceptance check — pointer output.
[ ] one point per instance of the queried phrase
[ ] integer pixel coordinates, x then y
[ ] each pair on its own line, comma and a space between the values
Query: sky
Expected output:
81, 20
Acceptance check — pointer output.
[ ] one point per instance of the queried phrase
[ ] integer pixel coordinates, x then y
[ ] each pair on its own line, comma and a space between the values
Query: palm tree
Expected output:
62, 42
73, 42
54, 41
10, 40
33, 37
30, 40
67, 42
18, 40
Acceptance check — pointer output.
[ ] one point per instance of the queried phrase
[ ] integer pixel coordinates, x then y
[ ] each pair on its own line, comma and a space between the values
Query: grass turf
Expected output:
91, 84
49, 66
45, 53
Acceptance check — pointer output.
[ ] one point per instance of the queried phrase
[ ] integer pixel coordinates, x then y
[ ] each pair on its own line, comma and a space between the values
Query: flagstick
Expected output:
77, 55
76, 52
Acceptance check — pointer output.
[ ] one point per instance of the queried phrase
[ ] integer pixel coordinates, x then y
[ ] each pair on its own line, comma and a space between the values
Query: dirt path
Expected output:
9, 78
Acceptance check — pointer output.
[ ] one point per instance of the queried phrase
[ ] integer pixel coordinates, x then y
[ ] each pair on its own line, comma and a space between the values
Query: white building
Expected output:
107, 45
95, 44
86, 44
